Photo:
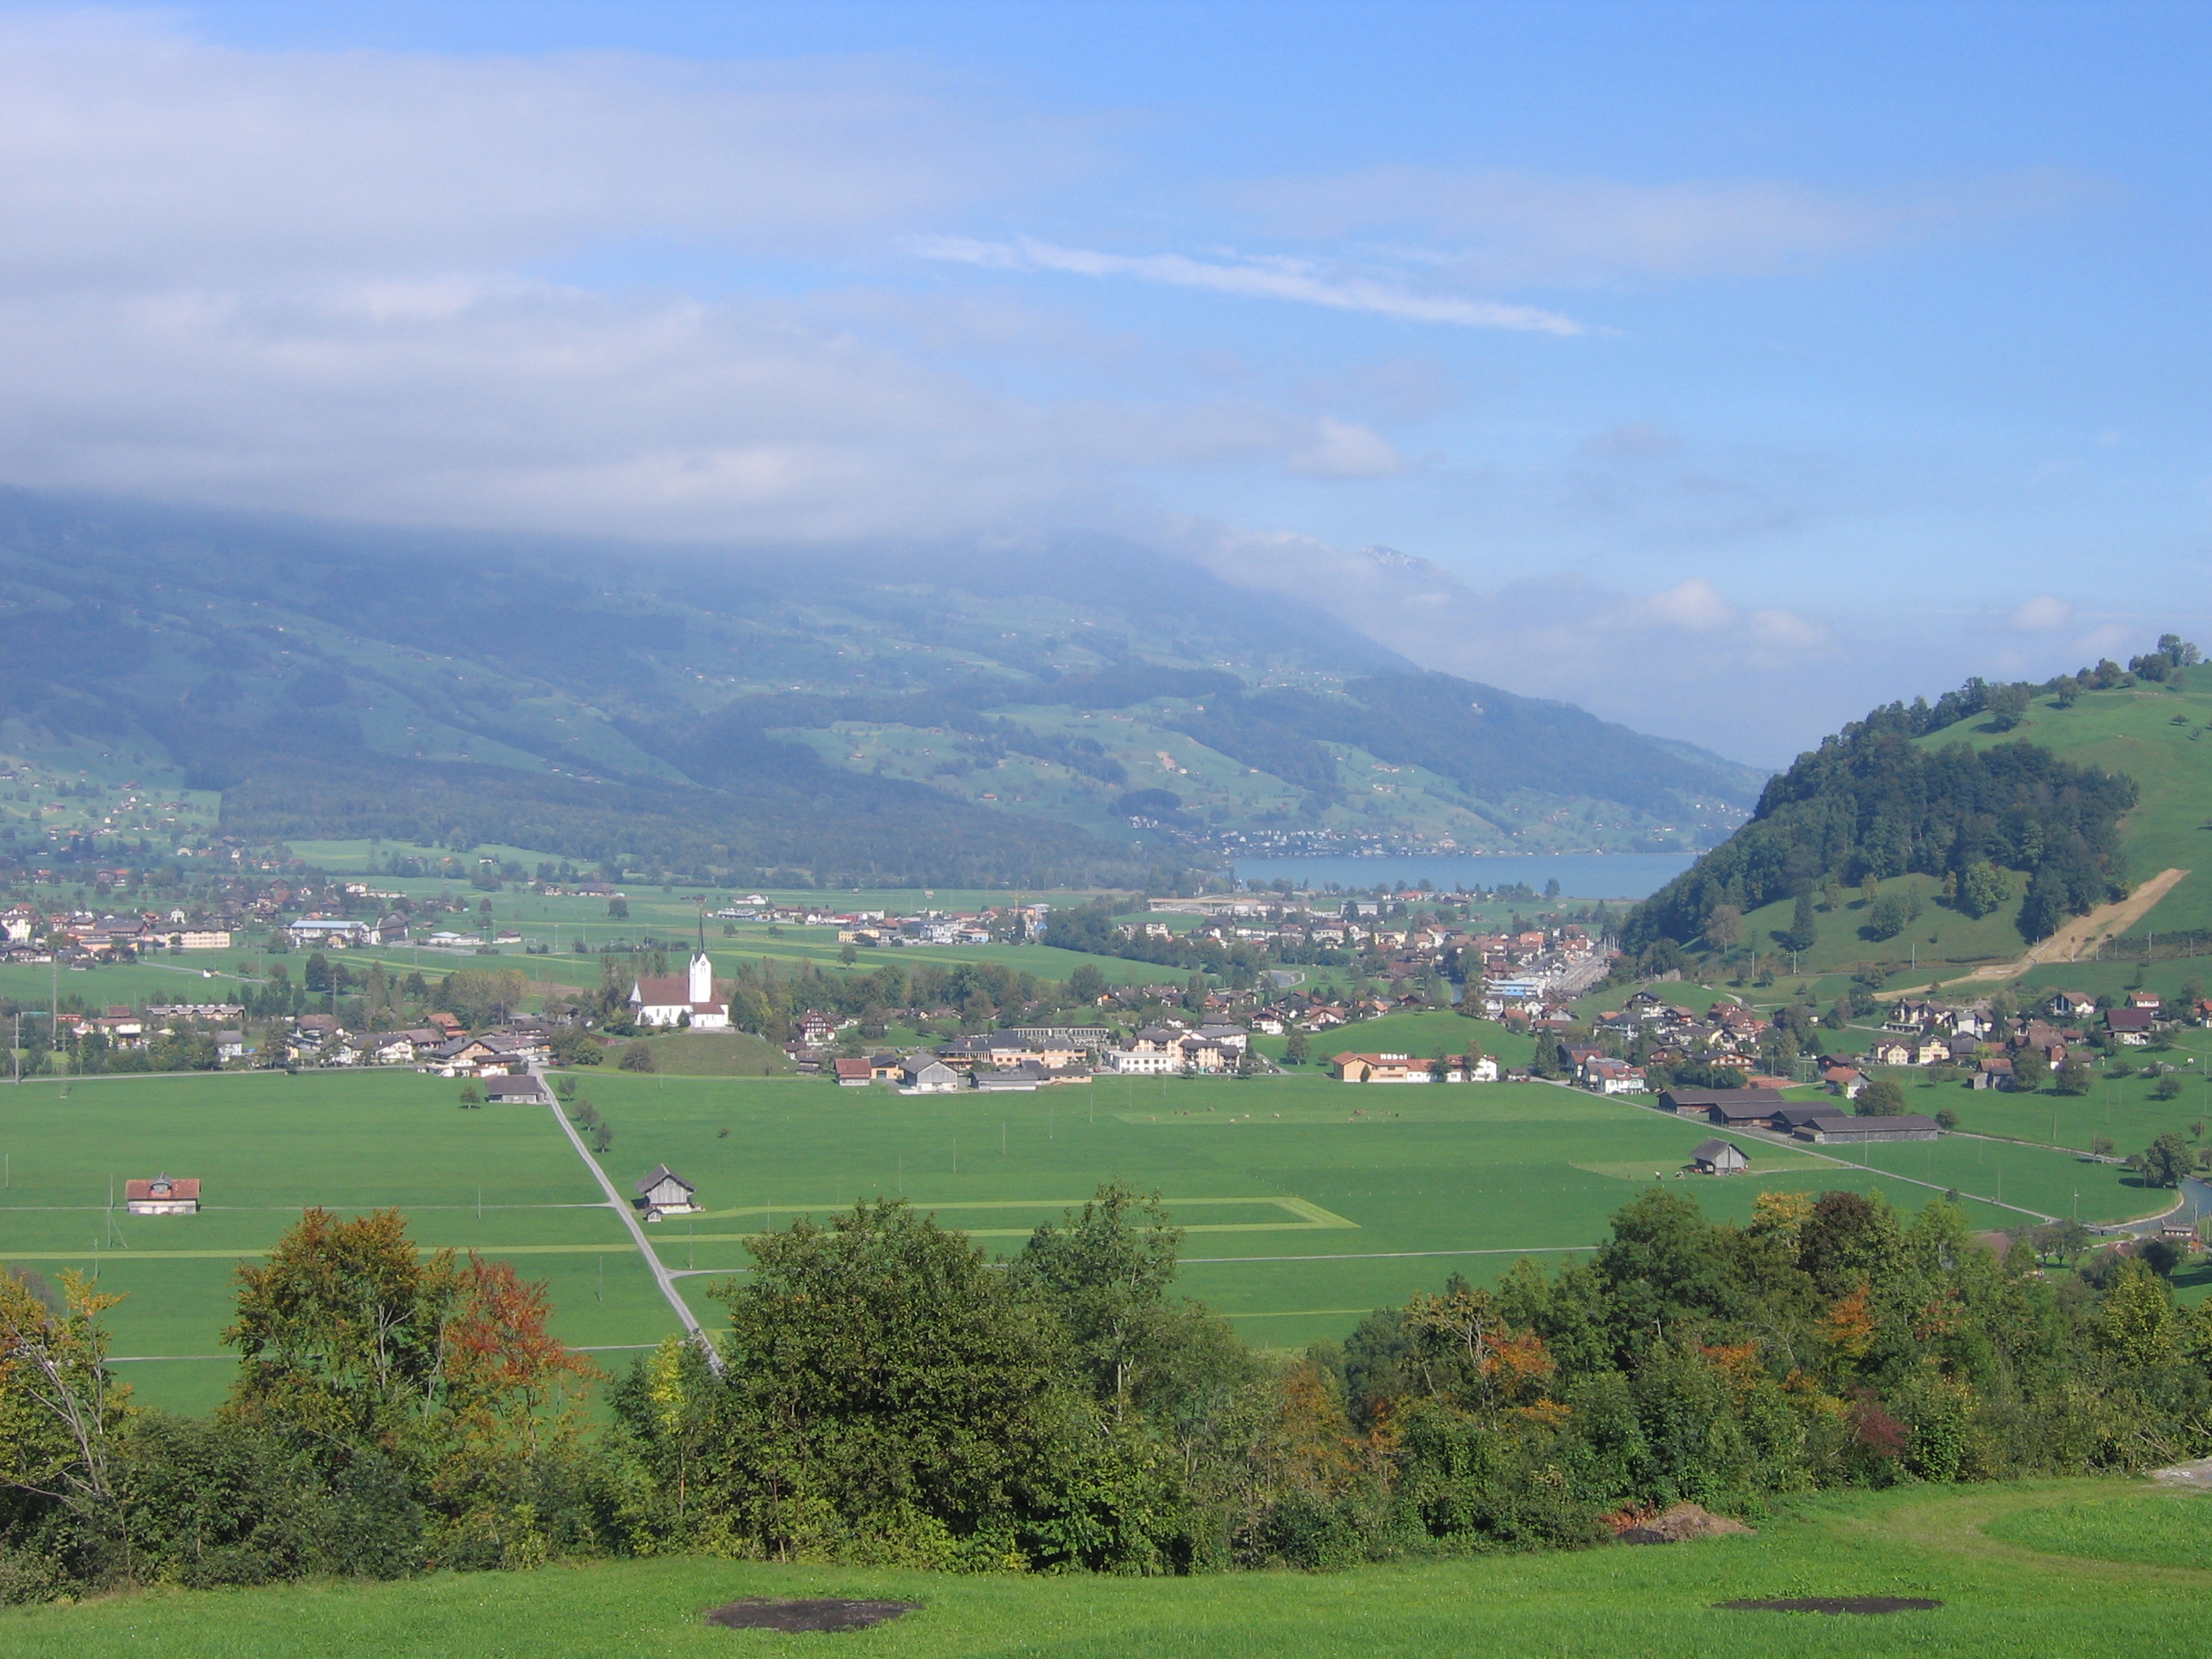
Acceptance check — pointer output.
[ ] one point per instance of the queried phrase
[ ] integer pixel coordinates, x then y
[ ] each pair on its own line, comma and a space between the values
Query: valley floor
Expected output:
2049, 1568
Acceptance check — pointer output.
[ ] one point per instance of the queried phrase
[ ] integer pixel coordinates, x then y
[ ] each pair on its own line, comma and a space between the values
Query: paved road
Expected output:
622, 1207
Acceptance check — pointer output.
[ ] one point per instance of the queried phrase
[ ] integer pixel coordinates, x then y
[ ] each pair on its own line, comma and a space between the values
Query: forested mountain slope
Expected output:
947, 715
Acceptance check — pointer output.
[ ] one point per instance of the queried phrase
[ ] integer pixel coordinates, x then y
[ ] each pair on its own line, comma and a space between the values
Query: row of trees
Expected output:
886, 1394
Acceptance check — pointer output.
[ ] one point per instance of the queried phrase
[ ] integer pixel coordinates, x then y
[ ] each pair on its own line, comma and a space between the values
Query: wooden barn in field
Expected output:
1718, 1157
665, 1193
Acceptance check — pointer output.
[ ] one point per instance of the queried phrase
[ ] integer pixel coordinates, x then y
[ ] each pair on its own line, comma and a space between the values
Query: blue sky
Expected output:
1723, 368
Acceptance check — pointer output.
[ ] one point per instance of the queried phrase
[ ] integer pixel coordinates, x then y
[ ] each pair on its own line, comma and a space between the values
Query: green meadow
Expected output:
1307, 1202
2034, 1569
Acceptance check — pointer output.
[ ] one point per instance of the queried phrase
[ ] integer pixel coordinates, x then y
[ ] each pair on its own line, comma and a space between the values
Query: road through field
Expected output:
614, 1202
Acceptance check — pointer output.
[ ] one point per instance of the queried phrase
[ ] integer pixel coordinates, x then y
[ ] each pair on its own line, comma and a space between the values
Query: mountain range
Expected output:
1030, 714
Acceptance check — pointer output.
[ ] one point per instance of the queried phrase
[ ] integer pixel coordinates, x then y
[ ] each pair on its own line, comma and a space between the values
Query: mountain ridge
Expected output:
1009, 700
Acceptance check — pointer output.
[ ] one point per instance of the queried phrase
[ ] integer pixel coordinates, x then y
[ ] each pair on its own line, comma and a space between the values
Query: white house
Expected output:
665, 1193
162, 1196
693, 998
1132, 1062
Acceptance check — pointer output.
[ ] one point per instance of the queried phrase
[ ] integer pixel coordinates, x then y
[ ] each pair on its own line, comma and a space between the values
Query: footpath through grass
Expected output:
1952, 1545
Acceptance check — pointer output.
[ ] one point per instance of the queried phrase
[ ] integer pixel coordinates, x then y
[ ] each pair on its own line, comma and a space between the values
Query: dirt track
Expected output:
2106, 921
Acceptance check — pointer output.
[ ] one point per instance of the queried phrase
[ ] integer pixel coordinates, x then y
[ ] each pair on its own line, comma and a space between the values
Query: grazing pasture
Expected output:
1307, 1202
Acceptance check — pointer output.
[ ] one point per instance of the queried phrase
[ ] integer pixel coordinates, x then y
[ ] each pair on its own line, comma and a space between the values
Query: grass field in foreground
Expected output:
1951, 1545
1307, 1202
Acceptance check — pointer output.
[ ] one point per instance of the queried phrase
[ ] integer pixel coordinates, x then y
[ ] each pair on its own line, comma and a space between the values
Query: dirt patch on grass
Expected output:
822, 1614
1861, 1604
1679, 1524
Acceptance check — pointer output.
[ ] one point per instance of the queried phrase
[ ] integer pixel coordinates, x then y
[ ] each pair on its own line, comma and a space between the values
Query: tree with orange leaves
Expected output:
1849, 1327
1467, 1354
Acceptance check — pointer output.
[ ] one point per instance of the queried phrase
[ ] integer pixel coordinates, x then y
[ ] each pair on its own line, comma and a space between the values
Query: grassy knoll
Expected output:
707, 1053
2005, 1590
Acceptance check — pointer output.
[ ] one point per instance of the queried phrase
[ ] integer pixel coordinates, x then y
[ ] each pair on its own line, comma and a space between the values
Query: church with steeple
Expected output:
693, 998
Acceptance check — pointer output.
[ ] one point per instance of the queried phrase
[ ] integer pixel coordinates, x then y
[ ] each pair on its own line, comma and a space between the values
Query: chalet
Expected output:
884, 1068
2073, 1005
1845, 1080
525, 1089
2149, 999
1995, 1071
1718, 1157
1858, 1131
388, 1048
693, 998
854, 1073
2132, 1026
664, 1193
923, 1075
1890, 1052
162, 1196
1614, 1077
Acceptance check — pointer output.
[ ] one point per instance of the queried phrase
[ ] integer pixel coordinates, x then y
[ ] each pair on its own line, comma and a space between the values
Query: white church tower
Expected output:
703, 979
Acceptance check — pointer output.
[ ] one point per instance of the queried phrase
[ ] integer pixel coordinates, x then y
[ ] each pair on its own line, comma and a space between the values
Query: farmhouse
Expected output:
162, 1196
2132, 1026
525, 1089
664, 1193
1718, 1157
854, 1074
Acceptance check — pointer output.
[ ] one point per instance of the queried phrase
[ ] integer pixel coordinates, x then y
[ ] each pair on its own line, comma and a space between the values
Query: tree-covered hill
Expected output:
2032, 803
947, 715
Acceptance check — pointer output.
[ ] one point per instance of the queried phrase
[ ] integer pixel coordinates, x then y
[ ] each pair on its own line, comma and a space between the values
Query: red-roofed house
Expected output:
162, 1196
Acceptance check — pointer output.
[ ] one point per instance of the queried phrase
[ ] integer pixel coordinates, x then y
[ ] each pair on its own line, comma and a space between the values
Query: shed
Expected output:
525, 1089
664, 1193
1718, 1157
854, 1074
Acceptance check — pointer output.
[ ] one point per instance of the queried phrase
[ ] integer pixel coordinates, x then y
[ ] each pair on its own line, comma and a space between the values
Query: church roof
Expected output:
674, 991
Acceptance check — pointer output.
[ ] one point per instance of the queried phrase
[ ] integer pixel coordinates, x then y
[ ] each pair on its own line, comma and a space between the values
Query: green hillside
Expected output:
1967, 839
950, 717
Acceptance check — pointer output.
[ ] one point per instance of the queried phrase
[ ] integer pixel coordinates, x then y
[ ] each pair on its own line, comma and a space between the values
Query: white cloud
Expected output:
1506, 226
2043, 614
1272, 278
1340, 449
